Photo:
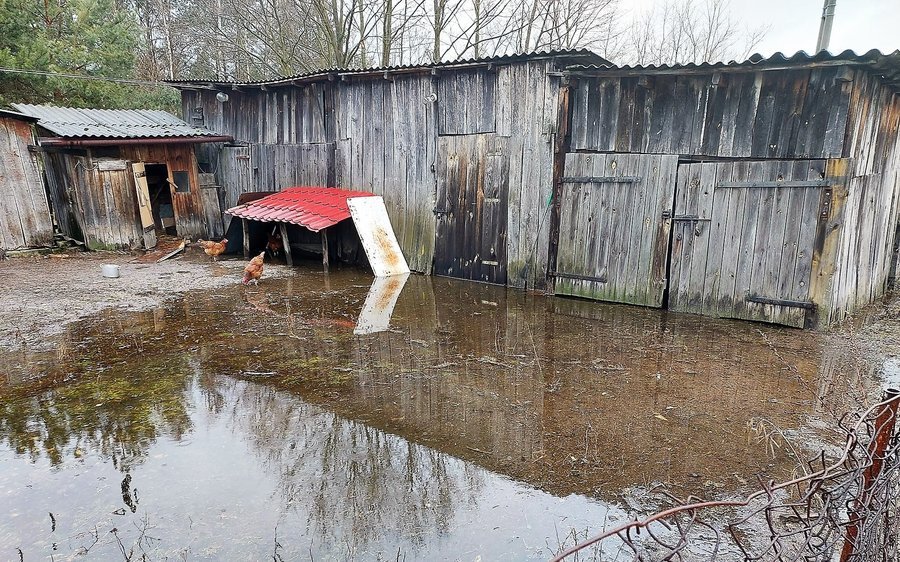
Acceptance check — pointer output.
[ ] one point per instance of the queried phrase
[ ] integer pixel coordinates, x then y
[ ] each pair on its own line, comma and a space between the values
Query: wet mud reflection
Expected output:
481, 422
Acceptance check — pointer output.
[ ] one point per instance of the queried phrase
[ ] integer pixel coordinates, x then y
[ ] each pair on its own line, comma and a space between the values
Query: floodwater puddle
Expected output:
279, 422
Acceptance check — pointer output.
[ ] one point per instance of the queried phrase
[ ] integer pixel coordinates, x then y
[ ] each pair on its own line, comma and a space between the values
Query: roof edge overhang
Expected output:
614, 71
64, 142
886, 66
332, 75
16, 115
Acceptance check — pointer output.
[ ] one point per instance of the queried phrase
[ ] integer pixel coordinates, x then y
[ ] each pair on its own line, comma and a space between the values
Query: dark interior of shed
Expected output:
161, 198
343, 243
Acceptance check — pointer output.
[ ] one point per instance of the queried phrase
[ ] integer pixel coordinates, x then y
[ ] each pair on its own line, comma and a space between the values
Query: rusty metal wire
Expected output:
845, 509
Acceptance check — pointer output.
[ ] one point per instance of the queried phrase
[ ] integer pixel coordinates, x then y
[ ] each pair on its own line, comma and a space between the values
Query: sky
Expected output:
858, 24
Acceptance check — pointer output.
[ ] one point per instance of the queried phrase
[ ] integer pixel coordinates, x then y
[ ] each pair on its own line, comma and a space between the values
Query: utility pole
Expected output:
825, 26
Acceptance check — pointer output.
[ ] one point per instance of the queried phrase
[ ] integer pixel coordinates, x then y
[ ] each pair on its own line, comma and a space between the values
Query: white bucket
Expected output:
110, 270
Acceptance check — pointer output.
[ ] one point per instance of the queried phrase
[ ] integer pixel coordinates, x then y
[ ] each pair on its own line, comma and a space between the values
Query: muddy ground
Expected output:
877, 331
40, 295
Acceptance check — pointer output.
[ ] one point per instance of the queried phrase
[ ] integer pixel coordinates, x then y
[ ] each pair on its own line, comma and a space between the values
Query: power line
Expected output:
81, 77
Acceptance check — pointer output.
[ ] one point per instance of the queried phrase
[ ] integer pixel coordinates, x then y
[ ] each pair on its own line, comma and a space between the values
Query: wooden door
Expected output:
744, 238
614, 227
471, 207
148, 227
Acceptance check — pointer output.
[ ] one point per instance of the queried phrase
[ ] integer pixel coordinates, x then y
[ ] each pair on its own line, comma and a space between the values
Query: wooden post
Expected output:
561, 144
246, 224
286, 242
885, 421
324, 234
832, 200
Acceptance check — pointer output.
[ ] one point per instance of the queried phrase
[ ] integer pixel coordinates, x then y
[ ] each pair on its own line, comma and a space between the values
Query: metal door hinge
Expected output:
781, 302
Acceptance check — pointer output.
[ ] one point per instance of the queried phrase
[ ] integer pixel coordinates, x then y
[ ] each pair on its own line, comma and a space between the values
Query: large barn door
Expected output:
614, 227
744, 236
471, 207
148, 226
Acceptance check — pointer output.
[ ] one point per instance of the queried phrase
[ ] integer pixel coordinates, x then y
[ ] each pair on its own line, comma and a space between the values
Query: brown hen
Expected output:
254, 270
213, 249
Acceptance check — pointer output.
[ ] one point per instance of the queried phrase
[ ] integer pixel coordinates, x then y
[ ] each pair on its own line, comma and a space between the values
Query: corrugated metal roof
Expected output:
324, 73
70, 122
17, 115
885, 64
314, 208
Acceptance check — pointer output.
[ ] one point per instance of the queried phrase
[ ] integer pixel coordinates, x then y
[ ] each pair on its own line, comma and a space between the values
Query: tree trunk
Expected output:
170, 50
478, 24
362, 37
438, 28
387, 33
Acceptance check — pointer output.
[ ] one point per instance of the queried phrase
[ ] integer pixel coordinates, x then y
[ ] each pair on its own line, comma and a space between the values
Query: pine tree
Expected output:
96, 38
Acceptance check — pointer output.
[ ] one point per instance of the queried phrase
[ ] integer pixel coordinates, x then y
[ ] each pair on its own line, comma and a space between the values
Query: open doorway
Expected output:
161, 198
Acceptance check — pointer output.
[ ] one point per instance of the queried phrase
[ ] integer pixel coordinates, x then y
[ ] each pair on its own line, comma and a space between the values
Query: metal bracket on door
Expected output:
683, 218
781, 302
601, 179
600, 279
766, 184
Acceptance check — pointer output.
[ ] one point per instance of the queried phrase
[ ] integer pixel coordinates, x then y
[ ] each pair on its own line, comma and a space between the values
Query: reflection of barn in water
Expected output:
508, 382
470, 371
765, 189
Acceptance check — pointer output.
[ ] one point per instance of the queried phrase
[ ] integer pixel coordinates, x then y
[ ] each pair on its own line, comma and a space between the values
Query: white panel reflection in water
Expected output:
377, 236
375, 315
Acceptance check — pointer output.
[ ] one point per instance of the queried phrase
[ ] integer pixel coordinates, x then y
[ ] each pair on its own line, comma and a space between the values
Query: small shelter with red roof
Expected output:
305, 218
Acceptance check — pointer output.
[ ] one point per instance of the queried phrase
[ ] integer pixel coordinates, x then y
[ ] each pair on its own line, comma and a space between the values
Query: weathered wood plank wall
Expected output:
386, 135
614, 227
233, 173
389, 136
870, 213
100, 197
799, 113
527, 114
285, 115
24, 211
275, 167
837, 114
473, 191
95, 198
466, 102
62, 193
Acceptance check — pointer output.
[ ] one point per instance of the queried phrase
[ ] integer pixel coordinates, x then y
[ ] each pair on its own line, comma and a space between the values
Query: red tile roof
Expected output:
314, 208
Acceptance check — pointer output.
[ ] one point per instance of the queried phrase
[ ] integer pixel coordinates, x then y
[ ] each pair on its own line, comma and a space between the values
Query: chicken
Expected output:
254, 270
213, 249
275, 246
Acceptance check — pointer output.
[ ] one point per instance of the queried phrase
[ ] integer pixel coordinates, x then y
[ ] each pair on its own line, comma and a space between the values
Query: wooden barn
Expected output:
461, 152
24, 213
118, 178
765, 189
